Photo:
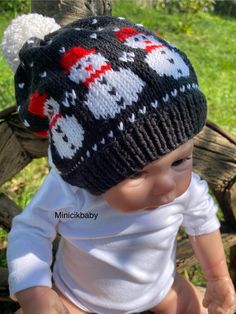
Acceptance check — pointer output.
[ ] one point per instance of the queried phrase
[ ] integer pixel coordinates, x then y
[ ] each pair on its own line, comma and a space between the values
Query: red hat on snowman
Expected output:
149, 43
74, 55
89, 70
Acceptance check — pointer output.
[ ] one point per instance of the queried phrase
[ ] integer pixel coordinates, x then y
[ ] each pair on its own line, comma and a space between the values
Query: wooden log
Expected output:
13, 157
215, 160
7, 112
215, 151
8, 210
34, 146
185, 257
66, 11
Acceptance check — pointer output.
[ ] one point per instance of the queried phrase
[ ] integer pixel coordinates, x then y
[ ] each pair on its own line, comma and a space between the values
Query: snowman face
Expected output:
167, 62
141, 41
67, 136
108, 96
163, 60
86, 66
67, 133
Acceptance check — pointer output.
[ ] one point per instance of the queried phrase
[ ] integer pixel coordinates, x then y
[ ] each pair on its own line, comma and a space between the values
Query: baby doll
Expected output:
120, 107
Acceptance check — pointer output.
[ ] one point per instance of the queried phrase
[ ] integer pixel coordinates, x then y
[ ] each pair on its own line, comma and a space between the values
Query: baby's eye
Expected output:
180, 161
136, 175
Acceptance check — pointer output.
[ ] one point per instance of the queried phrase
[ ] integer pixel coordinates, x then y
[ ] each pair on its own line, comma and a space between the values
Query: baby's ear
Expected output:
27, 28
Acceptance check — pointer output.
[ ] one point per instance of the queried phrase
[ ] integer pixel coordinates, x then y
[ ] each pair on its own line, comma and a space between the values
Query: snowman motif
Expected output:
160, 58
106, 97
66, 133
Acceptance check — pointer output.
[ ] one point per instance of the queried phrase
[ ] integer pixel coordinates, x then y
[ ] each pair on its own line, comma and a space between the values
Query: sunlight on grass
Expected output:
25, 184
211, 47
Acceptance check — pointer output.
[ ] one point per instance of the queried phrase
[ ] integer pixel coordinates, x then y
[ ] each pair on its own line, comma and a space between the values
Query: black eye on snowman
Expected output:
65, 138
58, 129
49, 110
171, 60
78, 67
144, 37
136, 39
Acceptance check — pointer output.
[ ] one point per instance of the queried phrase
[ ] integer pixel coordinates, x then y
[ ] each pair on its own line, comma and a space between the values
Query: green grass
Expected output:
26, 183
210, 43
6, 77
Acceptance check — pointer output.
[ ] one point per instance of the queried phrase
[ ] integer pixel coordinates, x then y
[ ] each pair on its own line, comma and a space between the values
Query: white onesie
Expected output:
107, 261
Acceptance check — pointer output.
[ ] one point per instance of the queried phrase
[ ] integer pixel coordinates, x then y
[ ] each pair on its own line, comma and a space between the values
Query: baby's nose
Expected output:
163, 185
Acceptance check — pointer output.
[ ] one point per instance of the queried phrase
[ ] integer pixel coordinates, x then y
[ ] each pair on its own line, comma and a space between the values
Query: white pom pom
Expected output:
20, 30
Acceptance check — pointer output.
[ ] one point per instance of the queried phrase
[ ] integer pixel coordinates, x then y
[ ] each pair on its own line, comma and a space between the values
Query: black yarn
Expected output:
109, 100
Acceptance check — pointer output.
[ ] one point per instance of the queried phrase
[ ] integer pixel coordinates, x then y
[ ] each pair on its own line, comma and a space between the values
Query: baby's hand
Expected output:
40, 300
220, 296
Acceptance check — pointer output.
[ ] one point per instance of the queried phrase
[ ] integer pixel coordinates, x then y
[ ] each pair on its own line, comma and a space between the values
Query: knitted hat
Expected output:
110, 95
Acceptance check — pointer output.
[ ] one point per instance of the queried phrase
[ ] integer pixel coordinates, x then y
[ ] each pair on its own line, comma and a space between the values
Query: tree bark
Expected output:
215, 160
66, 11
186, 258
13, 157
8, 210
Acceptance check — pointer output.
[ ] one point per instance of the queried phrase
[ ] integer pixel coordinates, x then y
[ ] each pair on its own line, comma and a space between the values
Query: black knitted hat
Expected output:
110, 95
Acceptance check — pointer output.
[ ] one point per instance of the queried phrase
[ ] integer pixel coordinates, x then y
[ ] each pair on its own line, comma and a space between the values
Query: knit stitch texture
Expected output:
110, 95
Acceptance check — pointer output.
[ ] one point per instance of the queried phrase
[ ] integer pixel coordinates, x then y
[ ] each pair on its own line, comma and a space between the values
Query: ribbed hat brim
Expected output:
150, 138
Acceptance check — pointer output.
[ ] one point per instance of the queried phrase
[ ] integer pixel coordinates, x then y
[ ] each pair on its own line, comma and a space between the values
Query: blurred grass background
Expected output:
208, 38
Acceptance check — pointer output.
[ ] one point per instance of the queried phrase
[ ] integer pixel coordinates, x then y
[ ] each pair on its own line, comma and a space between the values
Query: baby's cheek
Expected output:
126, 199
184, 183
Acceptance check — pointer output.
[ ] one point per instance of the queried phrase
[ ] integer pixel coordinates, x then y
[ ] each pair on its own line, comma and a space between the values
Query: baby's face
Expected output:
158, 183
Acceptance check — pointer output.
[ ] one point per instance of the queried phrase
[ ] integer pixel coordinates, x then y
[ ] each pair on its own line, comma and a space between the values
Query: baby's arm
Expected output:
40, 300
220, 294
29, 251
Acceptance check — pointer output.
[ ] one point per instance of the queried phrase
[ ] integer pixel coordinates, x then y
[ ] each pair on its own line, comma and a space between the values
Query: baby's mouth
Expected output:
151, 208
161, 204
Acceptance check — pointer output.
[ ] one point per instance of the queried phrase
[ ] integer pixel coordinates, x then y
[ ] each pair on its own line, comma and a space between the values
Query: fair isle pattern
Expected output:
122, 127
66, 133
106, 97
111, 97
169, 62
